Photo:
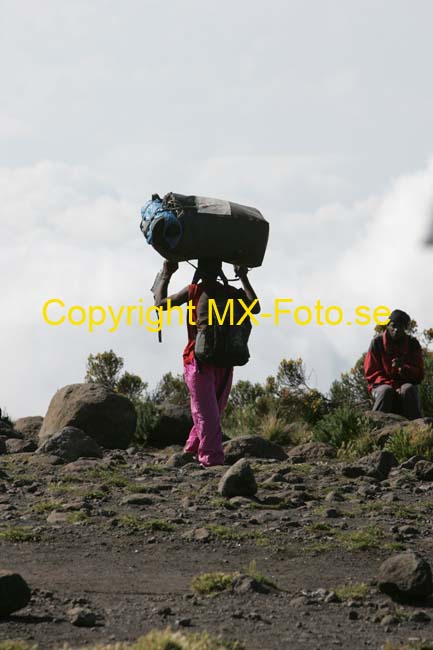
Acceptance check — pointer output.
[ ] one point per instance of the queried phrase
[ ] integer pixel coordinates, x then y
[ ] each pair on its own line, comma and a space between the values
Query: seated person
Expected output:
394, 367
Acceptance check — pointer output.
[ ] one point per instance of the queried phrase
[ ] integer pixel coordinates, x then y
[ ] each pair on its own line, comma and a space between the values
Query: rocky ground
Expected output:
112, 547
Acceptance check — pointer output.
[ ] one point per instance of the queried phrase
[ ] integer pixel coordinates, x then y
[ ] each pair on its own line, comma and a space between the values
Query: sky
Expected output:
316, 113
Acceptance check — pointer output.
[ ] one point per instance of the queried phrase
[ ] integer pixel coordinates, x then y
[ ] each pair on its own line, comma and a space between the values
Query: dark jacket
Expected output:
378, 362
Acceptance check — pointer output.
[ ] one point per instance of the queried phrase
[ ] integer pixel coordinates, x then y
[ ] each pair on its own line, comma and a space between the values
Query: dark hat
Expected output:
399, 316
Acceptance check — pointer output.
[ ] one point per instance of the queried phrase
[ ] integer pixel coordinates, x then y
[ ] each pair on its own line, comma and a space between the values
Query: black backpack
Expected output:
224, 345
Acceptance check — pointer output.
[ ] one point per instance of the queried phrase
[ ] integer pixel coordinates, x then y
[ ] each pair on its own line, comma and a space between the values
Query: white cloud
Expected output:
68, 233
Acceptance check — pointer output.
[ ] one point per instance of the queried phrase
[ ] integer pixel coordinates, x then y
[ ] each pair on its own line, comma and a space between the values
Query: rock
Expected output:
407, 529
353, 471
202, 535
17, 446
136, 500
81, 617
389, 619
420, 617
14, 593
239, 481
244, 584
299, 601
106, 416
411, 462
56, 517
332, 513
70, 444
171, 426
179, 460
29, 426
252, 447
406, 575
424, 470
334, 496
81, 466
378, 464
3, 449
383, 419
311, 452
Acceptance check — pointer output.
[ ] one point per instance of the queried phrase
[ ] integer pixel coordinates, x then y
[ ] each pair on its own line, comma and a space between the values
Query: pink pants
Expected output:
209, 390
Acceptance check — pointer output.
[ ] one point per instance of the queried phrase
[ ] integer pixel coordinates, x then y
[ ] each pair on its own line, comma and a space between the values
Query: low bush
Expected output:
411, 440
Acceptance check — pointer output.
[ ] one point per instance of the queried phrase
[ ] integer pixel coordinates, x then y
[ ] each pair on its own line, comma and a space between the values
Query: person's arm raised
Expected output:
241, 272
161, 285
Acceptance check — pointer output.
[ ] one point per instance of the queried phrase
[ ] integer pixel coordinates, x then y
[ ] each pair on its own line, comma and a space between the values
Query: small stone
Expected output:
239, 480
81, 617
353, 615
406, 575
184, 622
420, 617
334, 496
424, 470
202, 535
332, 513
389, 619
332, 598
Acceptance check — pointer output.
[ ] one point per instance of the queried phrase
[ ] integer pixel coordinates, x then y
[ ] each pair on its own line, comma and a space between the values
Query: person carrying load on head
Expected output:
394, 367
212, 349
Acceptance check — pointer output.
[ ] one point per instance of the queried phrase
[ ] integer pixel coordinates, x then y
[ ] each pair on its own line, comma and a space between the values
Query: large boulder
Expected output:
170, 426
106, 416
311, 452
14, 593
406, 576
238, 481
70, 444
29, 426
17, 446
252, 447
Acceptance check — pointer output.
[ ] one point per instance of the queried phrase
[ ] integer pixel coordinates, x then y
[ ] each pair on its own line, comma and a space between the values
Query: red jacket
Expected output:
378, 362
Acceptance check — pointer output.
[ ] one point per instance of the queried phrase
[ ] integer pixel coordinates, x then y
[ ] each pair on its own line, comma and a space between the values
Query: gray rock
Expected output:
136, 500
353, 471
406, 575
420, 617
17, 446
202, 535
70, 444
81, 617
311, 452
106, 416
238, 481
171, 425
56, 517
29, 427
410, 463
252, 447
179, 460
244, 584
378, 464
334, 496
424, 470
14, 593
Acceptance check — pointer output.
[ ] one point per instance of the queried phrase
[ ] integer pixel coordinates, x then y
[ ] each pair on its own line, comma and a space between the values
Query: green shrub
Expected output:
411, 440
146, 419
275, 429
342, 425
